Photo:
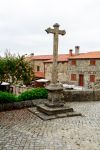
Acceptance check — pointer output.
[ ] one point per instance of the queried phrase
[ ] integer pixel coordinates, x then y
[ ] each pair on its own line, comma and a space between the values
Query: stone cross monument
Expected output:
55, 90
54, 108
55, 32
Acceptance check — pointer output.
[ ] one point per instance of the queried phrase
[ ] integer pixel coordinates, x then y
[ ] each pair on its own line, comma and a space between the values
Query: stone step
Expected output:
45, 117
53, 111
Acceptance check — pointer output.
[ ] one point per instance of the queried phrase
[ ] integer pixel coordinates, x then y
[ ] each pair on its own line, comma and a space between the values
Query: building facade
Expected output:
62, 68
38, 64
81, 69
84, 69
62, 71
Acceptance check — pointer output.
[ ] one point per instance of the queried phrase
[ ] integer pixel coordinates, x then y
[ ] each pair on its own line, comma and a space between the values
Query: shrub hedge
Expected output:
6, 97
36, 93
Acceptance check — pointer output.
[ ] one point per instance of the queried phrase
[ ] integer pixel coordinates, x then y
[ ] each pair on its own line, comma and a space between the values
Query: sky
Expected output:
23, 24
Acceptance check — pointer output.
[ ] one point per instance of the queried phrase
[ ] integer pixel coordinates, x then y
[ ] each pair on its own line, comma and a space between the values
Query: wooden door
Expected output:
81, 80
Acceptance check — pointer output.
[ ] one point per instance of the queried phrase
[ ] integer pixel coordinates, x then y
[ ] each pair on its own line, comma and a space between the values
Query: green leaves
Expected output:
15, 69
37, 93
7, 97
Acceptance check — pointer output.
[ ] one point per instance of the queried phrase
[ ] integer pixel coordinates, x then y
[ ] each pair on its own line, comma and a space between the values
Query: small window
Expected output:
92, 62
38, 68
73, 77
92, 78
73, 62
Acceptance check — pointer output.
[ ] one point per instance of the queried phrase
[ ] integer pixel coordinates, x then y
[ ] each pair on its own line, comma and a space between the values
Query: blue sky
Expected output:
23, 24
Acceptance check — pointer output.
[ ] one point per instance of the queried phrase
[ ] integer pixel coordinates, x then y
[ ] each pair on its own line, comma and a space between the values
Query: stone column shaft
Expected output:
55, 59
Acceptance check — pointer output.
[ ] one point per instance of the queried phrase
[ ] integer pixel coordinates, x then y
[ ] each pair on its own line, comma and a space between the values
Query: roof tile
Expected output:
89, 55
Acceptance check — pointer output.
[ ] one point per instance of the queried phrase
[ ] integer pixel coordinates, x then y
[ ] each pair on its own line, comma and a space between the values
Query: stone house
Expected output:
81, 69
38, 65
62, 68
84, 69
42, 65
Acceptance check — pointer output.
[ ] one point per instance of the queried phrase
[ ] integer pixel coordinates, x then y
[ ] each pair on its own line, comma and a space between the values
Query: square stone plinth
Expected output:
55, 110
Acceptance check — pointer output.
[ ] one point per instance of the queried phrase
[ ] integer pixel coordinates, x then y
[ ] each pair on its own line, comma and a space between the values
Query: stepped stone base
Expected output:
54, 107
46, 113
53, 111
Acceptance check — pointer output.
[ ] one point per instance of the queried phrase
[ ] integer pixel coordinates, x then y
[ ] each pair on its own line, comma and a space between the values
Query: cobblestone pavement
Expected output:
22, 130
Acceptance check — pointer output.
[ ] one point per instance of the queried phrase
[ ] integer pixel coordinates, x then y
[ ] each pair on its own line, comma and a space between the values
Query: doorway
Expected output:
81, 80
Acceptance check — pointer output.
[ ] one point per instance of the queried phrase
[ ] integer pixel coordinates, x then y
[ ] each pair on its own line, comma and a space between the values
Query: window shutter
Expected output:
73, 77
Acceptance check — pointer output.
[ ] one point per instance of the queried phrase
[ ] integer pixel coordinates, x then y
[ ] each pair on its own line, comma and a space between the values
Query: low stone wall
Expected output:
19, 105
84, 95
69, 95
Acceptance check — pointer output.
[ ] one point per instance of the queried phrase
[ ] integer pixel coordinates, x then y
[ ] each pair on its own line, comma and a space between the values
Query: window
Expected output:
73, 62
38, 68
92, 78
73, 77
92, 62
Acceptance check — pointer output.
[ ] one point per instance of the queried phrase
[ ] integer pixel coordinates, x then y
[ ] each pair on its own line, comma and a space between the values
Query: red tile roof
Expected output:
65, 57
61, 58
48, 58
88, 55
39, 74
41, 57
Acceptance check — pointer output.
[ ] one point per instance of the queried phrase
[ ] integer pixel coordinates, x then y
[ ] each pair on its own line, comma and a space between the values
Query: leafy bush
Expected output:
6, 97
37, 93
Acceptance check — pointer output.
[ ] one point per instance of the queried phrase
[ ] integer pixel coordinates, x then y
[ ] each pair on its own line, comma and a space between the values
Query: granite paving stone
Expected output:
22, 130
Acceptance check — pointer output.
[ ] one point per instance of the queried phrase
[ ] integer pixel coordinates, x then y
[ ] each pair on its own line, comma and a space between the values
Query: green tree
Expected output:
24, 70
15, 69
3, 75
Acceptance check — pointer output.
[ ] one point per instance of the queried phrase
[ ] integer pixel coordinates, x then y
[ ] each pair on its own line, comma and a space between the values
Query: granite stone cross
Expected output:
54, 106
55, 32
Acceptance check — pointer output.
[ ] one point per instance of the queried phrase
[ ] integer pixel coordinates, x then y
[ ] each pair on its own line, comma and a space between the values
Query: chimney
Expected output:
77, 48
32, 54
70, 52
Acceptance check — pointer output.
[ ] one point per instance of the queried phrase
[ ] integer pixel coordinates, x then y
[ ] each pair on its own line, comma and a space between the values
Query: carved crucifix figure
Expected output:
55, 32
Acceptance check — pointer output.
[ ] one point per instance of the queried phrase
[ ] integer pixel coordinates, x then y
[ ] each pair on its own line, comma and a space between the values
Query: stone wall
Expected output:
85, 95
84, 67
62, 71
69, 96
48, 70
38, 63
22, 104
